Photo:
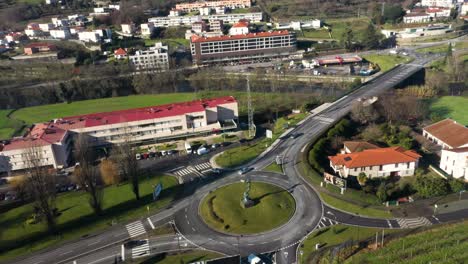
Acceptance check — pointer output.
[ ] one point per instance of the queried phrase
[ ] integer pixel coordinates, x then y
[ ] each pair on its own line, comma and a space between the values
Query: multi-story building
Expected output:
60, 22
239, 28
46, 27
438, 3
128, 28
39, 47
60, 33
46, 142
175, 12
464, 9
205, 11
416, 18
156, 57
89, 36
216, 25
233, 4
379, 162
455, 162
438, 12
250, 47
199, 27
174, 21
232, 18
147, 29
447, 133
53, 140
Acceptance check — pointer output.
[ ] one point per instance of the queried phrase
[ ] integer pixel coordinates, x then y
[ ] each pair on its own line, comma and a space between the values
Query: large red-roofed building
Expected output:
246, 47
140, 125
377, 162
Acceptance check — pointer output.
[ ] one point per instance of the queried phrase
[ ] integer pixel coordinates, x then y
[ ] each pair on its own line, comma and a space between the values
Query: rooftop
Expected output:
41, 134
356, 146
197, 39
40, 45
450, 132
375, 157
240, 24
120, 52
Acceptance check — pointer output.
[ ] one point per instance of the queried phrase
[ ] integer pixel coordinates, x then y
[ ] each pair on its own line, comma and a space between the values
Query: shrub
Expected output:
427, 186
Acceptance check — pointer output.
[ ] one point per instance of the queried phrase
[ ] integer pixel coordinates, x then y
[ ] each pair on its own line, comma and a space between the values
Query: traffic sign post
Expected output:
157, 191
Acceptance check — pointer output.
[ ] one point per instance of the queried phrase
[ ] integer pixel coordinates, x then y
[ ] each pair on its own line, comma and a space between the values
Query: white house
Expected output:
199, 27
455, 162
464, 9
438, 3
205, 11
175, 12
147, 29
379, 162
46, 27
438, 12
63, 33
220, 10
447, 133
416, 18
239, 28
89, 36
60, 22
156, 57
128, 28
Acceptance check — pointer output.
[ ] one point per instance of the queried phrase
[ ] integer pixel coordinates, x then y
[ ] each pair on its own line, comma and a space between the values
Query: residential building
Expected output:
89, 36
299, 25
156, 57
216, 25
120, 54
75, 30
60, 33
33, 48
147, 29
50, 144
50, 2
416, 18
357, 146
380, 162
239, 28
455, 162
233, 4
199, 27
438, 12
128, 28
60, 22
220, 10
14, 37
464, 9
205, 11
46, 27
174, 21
447, 133
250, 47
438, 3
175, 12
232, 18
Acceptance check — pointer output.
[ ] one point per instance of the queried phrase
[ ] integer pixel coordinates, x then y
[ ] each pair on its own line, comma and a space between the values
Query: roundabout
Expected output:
223, 210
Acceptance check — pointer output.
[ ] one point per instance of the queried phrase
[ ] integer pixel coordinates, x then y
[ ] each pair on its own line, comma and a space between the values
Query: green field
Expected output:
184, 257
8, 126
336, 235
354, 208
454, 107
235, 157
77, 218
171, 42
315, 34
273, 167
386, 62
222, 210
338, 26
444, 244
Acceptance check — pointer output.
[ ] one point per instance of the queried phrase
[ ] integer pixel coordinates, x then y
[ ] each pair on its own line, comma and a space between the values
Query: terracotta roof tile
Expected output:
355, 146
375, 157
450, 132
196, 39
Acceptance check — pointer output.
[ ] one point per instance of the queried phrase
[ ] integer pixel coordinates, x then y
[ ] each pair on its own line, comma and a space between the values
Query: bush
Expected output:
427, 186
456, 185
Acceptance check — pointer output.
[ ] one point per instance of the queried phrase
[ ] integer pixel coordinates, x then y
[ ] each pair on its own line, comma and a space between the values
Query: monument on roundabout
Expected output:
246, 201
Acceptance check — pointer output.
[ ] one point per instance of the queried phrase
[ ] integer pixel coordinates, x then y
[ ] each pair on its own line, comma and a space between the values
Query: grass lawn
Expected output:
237, 156
171, 42
314, 33
222, 208
454, 107
336, 235
353, 208
8, 126
444, 244
338, 26
434, 49
225, 137
386, 62
273, 167
182, 258
77, 218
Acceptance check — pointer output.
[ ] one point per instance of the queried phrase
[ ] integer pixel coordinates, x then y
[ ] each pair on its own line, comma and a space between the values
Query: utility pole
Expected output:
383, 8
383, 235
376, 240
250, 111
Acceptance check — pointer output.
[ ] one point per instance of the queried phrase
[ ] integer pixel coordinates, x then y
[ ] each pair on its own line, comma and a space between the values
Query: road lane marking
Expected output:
389, 224
68, 252
95, 242
151, 223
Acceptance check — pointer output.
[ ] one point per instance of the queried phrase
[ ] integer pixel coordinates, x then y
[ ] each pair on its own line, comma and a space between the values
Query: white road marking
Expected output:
151, 223
64, 253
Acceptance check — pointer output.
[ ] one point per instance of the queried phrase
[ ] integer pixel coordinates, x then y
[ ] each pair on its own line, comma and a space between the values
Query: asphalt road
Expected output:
104, 247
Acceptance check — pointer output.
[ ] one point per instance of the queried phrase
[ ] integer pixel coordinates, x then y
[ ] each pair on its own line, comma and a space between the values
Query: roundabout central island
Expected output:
223, 210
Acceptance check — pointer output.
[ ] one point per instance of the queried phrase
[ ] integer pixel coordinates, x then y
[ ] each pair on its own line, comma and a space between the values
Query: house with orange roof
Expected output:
448, 134
120, 54
239, 28
377, 162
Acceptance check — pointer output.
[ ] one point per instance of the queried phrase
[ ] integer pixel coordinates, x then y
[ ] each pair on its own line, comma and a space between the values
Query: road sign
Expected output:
269, 133
157, 191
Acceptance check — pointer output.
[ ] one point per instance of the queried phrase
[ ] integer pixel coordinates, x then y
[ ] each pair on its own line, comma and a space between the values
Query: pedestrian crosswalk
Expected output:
203, 167
135, 229
196, 170
326, 222
413, 222
184, 171
141, 250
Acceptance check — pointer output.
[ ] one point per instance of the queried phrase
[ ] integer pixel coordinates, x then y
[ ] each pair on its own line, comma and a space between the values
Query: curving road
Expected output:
105, 247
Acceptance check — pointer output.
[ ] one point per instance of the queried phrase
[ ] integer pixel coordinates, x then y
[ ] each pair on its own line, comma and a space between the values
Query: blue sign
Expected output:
157, 191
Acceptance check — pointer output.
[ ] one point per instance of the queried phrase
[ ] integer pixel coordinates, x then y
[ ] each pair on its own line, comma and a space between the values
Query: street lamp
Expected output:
435, 208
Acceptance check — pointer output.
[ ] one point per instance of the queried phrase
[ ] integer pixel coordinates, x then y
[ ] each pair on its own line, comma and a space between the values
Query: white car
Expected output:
138, 156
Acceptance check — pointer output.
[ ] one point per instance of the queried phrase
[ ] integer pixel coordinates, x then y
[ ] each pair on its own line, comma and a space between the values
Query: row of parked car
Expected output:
155, 154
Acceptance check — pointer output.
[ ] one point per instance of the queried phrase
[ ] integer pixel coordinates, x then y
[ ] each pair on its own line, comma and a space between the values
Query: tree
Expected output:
86, 173
393, 13
109, 172
18, 183
362, 178
371, 38
363, 113
40, 186
382, 192
125, 156
456, 185
372, 133
427, 186
348, 37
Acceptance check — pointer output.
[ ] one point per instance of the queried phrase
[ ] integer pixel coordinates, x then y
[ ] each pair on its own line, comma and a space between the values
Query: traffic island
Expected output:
223, 209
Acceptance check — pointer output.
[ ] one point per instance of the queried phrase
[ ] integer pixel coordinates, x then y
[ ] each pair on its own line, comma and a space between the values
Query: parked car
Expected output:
145, 155
163, 153
152, 154
171, 152
138, 156
202, 150
217, 170
216, 145
244, 170
293, 135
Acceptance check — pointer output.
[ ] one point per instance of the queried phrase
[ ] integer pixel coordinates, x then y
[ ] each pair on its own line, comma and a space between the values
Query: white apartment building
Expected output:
234, 18
379, 162
205, 11
220, 10
216, 25
147, 29
455, 162
438, 3
447, 133
46, 27
464, 9
175, 12
52, 145
199, 27
63, 33
438, 12
89, 36
156, 57
416, 18
148, 124
233, 4
60, 22
128, 28
33, 33
174, 21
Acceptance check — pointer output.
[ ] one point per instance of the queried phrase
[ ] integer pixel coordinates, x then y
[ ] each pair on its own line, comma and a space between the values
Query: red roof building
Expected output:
120, 53
379, 162
32, 48
447, 133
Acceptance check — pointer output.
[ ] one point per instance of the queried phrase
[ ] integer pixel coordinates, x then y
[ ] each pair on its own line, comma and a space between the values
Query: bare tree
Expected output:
40, 186
109, 172
363, 114
86, 173
125, 156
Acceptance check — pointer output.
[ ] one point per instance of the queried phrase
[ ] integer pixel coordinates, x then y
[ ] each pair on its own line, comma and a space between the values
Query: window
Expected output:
355, 169
396, 165
407, 165
381, 167
371, 167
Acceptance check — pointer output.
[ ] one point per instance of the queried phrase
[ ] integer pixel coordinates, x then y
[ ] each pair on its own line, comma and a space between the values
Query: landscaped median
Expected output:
76, 217
238, 156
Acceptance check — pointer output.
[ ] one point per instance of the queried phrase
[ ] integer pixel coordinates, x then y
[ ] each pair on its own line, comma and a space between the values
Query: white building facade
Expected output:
438, 3
156, 57
455, 162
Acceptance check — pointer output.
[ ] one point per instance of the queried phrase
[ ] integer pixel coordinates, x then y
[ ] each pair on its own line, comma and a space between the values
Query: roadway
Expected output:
106, 246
